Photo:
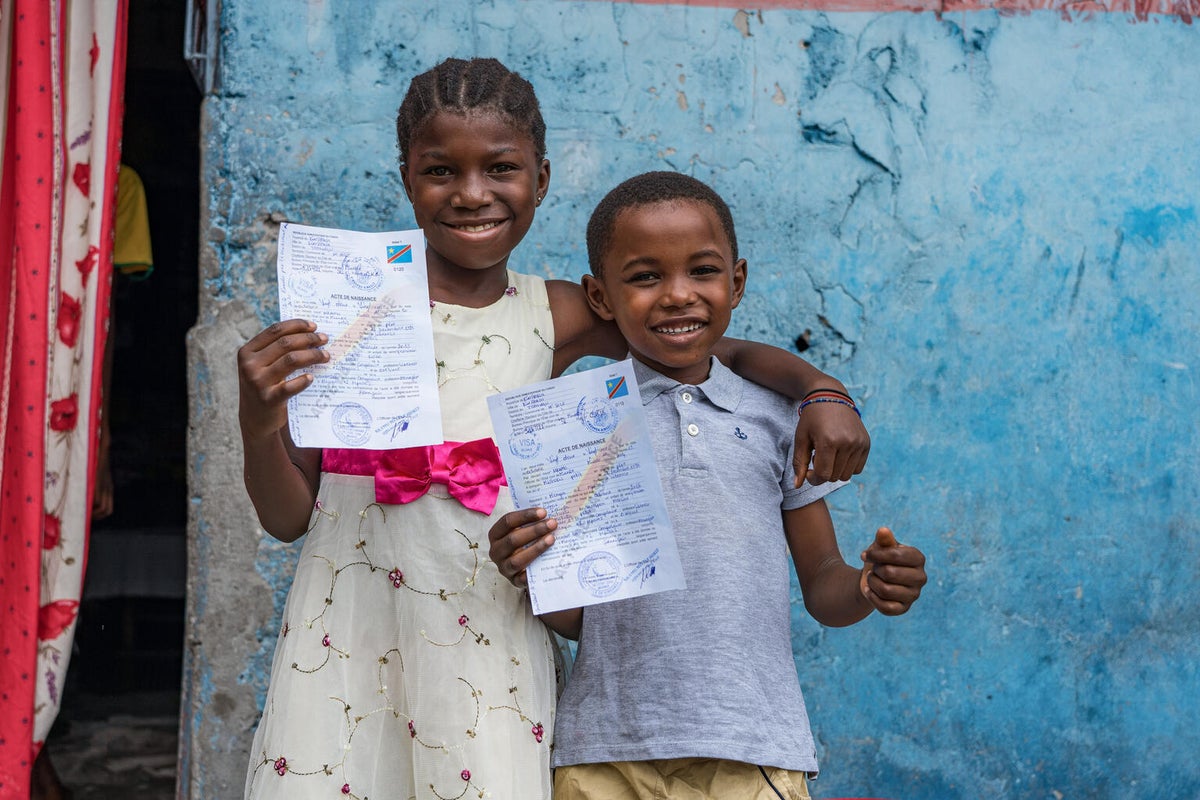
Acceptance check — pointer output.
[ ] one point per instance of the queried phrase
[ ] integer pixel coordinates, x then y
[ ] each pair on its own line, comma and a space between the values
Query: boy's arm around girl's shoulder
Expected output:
280, 478
835, 593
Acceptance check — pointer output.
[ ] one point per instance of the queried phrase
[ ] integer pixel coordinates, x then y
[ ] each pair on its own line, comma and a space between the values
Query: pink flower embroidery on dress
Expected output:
511, 291
412, 729
345, 788
463, 620
325, 640
538, 732
281, 765
465, 775
396, 577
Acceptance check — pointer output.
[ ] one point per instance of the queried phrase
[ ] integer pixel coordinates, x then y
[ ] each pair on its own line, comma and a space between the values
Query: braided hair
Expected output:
464, 86
647, 189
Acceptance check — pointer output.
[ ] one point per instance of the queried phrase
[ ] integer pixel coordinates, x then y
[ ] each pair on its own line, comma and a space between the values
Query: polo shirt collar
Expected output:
723, 388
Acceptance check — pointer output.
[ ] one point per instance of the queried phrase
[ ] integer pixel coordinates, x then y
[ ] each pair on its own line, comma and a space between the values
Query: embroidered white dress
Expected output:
406, 666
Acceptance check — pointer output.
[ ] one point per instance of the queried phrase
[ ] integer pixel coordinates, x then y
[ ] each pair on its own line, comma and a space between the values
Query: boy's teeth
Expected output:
682, 329
478, 228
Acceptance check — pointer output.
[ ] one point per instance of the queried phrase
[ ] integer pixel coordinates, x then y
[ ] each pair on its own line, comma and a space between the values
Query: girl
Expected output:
406, 666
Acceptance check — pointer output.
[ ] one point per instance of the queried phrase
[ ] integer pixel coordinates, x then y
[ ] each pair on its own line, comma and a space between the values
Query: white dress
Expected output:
406, 666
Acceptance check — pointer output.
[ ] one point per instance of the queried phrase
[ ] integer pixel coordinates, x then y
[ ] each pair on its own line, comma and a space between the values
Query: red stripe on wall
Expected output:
1185, 10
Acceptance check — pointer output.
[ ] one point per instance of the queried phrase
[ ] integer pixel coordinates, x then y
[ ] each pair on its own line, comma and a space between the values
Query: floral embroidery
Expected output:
345, 788
281, 765
396, 577
325, 640
412, 729
465, 775
538, 732
511, 291
462, 620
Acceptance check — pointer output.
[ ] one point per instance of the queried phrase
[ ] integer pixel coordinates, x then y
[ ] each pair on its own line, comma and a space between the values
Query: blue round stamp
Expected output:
524, 444
600, 573
351, 423
363, 272
303, 286
597, 414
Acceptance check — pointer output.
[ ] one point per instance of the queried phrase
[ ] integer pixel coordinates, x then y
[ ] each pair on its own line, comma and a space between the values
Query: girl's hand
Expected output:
833, 439
264, 364
892, 574
517, 539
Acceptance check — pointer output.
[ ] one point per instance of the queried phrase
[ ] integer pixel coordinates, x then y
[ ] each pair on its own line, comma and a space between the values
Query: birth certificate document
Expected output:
579, 447
369, 293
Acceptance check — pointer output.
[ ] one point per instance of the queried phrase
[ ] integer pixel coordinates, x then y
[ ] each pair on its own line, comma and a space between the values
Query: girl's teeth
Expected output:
478, 228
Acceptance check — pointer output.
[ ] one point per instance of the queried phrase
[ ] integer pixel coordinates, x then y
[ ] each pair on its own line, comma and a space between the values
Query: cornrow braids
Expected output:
643, 190
462, 86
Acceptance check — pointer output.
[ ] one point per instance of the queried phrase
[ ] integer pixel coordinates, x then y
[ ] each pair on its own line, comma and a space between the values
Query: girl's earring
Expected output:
538, 202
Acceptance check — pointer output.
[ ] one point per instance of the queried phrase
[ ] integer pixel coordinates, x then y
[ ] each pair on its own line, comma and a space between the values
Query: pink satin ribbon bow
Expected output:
470, 470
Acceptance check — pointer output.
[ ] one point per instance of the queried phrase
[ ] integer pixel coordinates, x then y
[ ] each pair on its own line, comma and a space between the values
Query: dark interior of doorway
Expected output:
129, 640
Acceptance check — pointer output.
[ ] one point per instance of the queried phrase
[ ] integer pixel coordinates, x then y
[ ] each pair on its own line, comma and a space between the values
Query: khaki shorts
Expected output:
678, 779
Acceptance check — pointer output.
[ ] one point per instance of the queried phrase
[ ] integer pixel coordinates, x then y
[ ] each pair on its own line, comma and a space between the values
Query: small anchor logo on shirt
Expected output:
738, 433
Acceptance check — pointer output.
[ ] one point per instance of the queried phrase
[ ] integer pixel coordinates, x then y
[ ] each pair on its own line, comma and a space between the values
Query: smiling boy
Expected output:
694, 693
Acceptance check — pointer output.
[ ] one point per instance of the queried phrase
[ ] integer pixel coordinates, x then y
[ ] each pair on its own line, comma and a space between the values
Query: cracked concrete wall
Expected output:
987, 224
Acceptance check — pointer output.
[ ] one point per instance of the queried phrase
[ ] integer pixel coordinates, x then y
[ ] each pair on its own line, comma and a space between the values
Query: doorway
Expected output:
116, 732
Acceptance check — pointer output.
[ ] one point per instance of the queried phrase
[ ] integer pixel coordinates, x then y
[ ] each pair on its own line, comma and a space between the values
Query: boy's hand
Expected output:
264, 364
833, 439
517, 539
892, 574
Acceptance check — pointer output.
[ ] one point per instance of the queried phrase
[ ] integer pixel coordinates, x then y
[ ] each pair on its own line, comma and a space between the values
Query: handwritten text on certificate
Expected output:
579, 446
369, 293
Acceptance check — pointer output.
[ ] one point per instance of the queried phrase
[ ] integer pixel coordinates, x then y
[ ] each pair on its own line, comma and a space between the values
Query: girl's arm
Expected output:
830, 436
281, 479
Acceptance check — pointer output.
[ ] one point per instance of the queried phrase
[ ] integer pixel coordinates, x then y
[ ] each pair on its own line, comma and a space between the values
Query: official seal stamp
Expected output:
363, 272
598, 414
524, 444
351, 423
600, 573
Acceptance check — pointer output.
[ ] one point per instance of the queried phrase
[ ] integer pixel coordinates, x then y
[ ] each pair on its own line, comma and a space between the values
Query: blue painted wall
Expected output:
987, 222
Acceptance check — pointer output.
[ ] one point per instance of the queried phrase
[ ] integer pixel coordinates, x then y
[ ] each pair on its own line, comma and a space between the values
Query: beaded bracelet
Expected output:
838, 392
839, 400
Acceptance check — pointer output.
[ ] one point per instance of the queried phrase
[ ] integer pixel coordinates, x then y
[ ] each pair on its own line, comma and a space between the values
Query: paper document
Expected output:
369, 293
579, 446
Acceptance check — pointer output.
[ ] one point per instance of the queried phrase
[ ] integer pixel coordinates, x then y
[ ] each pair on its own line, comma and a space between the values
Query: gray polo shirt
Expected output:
706, 671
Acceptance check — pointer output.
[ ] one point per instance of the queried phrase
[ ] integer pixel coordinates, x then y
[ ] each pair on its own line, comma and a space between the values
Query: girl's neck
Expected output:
473, 288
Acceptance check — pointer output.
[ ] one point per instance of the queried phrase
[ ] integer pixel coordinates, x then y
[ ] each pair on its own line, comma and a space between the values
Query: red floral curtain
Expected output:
62, 66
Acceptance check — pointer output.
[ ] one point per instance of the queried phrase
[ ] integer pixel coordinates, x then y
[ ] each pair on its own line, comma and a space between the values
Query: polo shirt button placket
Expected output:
693, 429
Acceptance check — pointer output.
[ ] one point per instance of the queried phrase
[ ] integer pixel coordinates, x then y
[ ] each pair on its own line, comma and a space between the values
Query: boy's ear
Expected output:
544, 178
739, 281
597, 297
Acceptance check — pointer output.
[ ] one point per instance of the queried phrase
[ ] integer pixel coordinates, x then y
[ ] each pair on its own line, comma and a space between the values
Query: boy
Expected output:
693, 693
